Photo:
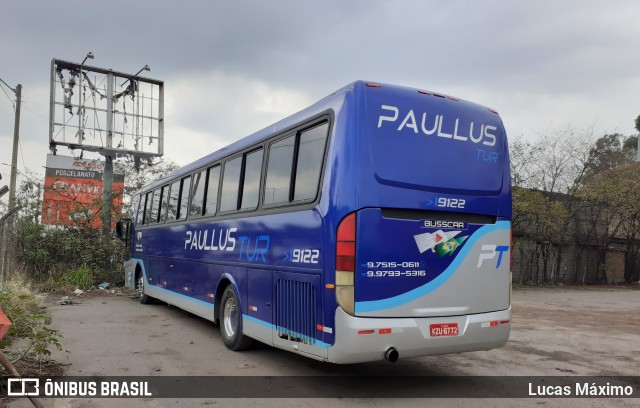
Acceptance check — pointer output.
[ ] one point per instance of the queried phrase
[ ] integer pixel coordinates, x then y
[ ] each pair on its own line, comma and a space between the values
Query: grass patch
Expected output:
76, 278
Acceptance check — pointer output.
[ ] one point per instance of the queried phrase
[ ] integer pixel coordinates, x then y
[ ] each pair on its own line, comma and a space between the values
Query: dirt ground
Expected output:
556, 331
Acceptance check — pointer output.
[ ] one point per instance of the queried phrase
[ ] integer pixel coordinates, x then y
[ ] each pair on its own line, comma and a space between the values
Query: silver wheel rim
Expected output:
140, 288
230, 317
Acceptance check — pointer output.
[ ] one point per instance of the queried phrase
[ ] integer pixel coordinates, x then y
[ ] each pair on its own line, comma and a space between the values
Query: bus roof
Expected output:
333, 102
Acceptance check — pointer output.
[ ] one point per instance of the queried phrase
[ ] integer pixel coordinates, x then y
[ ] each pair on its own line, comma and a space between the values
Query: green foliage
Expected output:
80, 277
30, 323
610, 151
540, 216
617, 192
65, 257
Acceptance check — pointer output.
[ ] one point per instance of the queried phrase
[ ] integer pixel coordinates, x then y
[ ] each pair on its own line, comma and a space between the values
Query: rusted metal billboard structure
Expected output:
105, 111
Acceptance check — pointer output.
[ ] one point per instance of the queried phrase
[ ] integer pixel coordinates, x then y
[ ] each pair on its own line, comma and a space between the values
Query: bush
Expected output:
30, 321
67, 257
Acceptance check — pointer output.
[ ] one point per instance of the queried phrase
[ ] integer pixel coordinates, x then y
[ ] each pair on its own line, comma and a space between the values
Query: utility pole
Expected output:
107, 175
14, 154
16, 137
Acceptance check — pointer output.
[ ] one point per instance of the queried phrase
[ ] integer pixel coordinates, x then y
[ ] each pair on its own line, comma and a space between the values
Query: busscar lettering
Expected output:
486, 134
443, 224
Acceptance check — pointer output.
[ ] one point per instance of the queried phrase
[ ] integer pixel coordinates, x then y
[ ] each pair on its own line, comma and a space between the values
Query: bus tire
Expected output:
142, 297
231, 321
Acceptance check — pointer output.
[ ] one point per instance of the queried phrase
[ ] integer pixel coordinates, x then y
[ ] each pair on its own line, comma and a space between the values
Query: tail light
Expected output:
346, 263
510, 263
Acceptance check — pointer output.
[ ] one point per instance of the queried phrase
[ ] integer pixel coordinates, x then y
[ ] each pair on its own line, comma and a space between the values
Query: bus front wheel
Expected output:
231, 321
142, 297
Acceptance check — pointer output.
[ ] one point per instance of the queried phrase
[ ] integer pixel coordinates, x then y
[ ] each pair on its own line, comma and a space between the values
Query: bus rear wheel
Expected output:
231, 321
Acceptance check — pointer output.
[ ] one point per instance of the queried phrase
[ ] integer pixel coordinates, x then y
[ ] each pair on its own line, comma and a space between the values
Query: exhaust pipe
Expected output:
391, 355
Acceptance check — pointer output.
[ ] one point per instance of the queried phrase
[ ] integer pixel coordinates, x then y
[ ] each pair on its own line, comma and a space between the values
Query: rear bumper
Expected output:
411, 338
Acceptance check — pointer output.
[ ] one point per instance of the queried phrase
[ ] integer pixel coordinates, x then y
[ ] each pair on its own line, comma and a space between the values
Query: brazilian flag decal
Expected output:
450, 246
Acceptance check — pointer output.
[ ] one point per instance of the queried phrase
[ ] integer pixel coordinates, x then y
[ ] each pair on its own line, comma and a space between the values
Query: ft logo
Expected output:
490, 252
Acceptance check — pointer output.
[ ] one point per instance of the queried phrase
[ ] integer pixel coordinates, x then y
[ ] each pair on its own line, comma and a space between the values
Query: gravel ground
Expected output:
557, 331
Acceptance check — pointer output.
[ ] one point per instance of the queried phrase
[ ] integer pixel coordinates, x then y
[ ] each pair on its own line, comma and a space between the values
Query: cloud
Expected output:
217, 108
231, 68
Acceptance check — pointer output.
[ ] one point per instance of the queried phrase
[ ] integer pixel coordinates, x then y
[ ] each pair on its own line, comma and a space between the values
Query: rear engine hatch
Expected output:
429, 263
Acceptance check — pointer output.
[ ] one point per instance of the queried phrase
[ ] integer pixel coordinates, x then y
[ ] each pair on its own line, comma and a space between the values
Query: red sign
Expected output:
73, 192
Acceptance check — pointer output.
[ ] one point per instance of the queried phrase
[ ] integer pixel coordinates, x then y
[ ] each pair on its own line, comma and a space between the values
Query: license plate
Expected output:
443, 329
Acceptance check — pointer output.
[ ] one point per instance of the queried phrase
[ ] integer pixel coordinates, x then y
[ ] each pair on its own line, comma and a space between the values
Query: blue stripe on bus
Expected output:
377, 305
316, 342
170, 292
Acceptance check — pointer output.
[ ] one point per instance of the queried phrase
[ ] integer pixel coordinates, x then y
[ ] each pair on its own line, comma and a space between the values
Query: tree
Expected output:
614, 199
610, 151
134, 180
538, 223
546, 174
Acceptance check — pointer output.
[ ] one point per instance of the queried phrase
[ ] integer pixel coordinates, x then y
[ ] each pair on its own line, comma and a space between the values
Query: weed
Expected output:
30, 322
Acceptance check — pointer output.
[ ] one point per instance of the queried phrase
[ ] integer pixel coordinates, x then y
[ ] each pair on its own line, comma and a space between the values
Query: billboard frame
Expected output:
107, 148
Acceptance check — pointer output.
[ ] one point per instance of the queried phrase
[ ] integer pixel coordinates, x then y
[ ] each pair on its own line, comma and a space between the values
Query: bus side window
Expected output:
309, 163
184, 198
197, 194
172, 210
155, 203
140, 213
147, 208
251, 180
164, 198
230, 185
278, 179
213, 177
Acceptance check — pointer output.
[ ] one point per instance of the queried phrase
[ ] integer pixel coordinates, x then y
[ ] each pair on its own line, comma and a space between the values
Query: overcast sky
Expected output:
233, 67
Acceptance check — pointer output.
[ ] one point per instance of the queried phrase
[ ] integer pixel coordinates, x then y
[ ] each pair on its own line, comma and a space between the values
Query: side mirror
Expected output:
119, 230
122, 228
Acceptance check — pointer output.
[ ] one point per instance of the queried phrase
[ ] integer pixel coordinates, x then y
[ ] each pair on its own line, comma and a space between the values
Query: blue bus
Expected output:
372, 225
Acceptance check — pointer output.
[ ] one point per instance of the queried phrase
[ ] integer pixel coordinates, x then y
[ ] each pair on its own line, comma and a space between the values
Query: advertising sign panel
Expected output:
73, 192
